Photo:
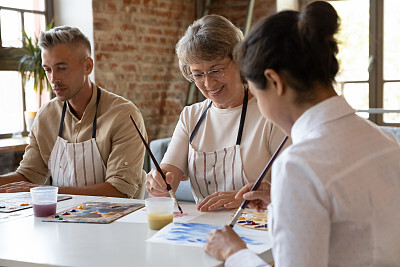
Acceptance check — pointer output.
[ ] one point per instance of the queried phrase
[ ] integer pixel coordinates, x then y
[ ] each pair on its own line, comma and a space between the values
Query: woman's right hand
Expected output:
259, 199
155, 184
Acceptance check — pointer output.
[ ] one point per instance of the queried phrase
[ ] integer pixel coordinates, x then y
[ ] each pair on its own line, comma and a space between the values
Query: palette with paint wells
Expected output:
11, 202
94, 212
253, 220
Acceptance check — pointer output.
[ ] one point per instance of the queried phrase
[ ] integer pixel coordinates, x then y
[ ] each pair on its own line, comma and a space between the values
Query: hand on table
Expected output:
222, 243
220, 199
259, 199
17, 187
156, 185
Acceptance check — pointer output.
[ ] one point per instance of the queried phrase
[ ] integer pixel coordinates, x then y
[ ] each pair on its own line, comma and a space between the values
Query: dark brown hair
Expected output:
300, 46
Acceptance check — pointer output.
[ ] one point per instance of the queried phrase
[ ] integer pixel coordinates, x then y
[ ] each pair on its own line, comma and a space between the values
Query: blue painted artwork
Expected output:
196, 233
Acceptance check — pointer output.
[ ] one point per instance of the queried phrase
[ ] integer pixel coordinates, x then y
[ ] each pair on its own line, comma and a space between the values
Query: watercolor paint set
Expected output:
253, 220
94, 212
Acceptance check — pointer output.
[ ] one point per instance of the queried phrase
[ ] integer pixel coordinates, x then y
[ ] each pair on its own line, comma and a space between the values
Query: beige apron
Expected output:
76, 164
220, 170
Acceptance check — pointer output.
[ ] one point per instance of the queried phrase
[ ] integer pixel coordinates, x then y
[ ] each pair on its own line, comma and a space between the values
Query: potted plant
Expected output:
30, 66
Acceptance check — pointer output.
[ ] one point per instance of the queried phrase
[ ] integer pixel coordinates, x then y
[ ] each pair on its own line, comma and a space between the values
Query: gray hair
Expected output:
208, 38
63, 35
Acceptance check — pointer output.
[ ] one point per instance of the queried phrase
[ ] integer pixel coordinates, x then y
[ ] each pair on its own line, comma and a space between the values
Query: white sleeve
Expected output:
301, 222
178, 149
245, 257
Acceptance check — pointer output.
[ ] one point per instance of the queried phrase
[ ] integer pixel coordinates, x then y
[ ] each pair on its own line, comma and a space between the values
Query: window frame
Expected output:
10, 63
376, 55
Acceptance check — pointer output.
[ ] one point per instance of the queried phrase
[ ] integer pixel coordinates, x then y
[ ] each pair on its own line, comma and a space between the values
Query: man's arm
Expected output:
101, 189
11, 178
15, 182
125, 160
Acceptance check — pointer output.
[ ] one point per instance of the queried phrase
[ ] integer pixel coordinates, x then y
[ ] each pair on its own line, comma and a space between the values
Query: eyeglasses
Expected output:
214, 74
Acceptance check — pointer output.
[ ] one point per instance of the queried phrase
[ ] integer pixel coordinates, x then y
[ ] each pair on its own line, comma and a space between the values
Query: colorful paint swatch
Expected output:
253, 220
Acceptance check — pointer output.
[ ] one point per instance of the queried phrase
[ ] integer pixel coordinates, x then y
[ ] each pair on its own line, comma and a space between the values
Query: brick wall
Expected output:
134, 52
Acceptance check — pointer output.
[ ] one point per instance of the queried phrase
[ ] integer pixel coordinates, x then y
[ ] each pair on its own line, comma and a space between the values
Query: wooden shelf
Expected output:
13, 144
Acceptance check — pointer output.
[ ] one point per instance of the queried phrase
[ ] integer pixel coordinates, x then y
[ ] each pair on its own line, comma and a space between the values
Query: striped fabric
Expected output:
210, 172
76, 164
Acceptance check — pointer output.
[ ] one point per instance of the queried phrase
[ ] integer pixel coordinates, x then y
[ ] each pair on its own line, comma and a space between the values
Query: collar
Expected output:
328, 110
91, 106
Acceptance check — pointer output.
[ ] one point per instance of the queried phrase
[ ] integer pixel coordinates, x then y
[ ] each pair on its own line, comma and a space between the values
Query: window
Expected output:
32, 16
369, 58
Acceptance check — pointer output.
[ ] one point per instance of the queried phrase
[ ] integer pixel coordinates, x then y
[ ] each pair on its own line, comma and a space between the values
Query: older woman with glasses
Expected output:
222, 143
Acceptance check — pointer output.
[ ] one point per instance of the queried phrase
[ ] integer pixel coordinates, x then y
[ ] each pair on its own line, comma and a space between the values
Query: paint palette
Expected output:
10, 202
253, 220
94, 212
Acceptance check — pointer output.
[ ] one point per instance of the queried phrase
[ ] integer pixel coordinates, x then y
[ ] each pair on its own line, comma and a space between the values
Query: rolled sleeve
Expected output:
125, 161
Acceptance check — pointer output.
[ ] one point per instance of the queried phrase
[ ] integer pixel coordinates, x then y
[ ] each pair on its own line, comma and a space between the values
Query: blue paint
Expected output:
195, 233
250, 241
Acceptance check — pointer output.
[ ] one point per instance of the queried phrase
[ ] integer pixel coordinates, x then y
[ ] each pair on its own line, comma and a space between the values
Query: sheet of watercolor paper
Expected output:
16, 205
189, 213
195, 234
10, 202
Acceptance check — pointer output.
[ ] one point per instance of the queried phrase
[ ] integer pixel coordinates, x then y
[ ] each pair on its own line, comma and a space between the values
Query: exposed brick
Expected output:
125, 2
128, 27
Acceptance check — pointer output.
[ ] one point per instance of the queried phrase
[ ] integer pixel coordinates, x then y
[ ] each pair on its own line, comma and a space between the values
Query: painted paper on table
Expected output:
195, 234
10, 202
94, 212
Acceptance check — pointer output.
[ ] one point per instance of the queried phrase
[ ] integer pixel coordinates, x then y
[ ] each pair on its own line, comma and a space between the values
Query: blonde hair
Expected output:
208, 38
64, 35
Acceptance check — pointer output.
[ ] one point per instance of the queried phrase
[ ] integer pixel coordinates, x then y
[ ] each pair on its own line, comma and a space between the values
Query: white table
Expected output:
27, 241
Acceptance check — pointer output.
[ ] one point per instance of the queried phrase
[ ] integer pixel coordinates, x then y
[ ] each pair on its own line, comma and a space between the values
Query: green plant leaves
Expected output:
30, 64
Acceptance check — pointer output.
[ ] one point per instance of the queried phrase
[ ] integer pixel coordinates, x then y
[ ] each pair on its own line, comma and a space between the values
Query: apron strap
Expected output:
196, 128
242, 117
95, 115
60, 131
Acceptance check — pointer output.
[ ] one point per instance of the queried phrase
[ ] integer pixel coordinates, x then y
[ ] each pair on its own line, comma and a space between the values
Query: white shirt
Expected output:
336, 192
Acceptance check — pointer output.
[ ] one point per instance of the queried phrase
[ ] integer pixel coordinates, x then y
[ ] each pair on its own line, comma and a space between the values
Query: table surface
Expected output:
27, 241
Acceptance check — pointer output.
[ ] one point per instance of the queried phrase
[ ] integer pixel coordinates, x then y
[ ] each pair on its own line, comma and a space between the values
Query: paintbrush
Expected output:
258, 182
170, 191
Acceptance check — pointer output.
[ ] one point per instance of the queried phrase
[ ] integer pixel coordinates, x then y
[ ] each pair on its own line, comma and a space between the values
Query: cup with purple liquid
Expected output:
44, 200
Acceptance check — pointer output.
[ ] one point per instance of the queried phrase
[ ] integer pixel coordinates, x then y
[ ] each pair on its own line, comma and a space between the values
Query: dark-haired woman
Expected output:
336, 201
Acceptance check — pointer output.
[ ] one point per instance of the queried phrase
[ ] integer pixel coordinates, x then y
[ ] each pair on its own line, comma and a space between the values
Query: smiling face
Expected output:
67, 69
225, 92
